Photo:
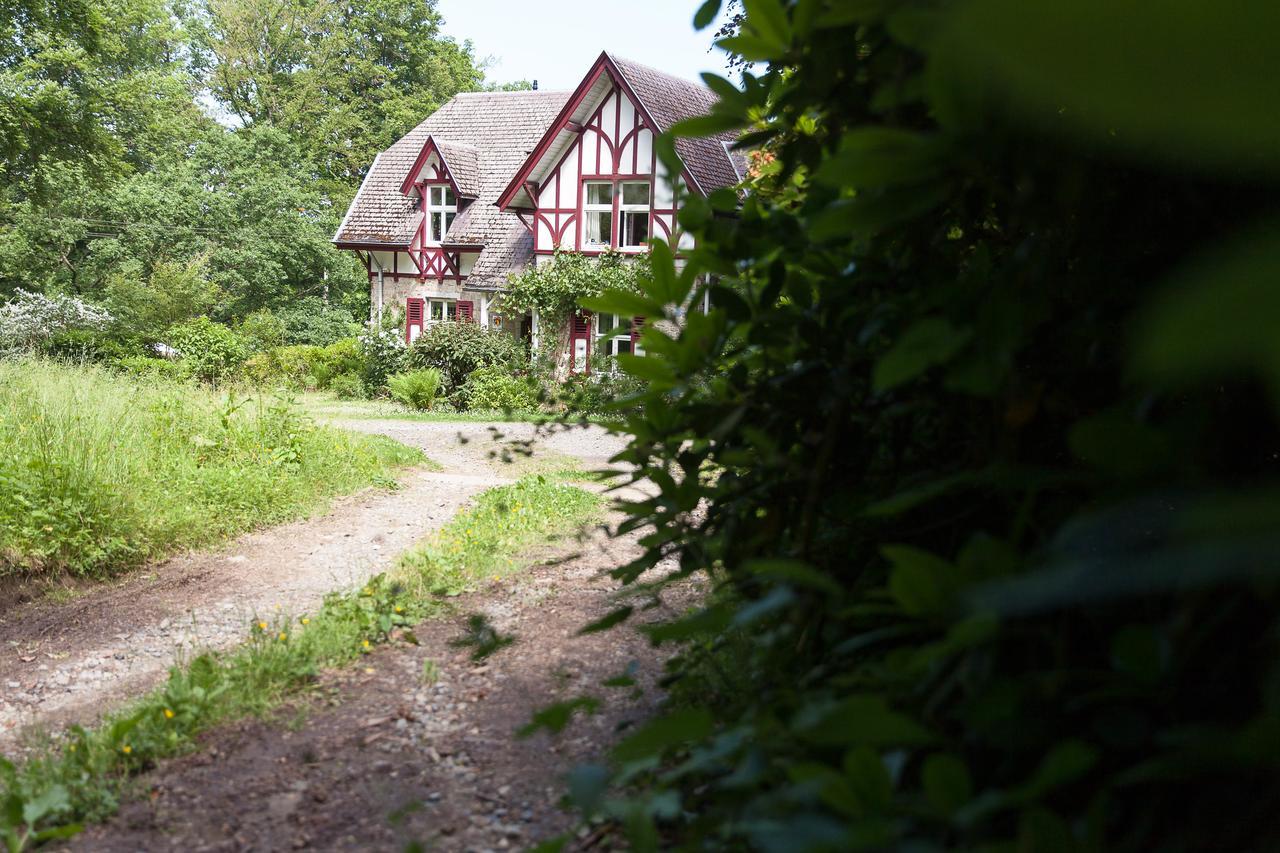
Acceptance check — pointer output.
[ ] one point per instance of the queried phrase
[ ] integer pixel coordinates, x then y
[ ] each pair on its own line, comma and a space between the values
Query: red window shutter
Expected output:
412, 316
465, 310
581, 331
581, 324
637, 326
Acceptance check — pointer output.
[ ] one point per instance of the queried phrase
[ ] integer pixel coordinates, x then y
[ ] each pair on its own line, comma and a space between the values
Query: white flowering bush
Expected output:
29, 320
384, 355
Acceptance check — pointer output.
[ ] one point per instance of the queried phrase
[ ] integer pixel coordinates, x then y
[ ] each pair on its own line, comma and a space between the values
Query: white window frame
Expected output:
448, 310
625, 210
589, 210
608, 340
438, 201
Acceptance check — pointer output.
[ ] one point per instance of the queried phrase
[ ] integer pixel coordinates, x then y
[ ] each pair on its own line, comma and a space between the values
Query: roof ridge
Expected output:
667, 74
516, 92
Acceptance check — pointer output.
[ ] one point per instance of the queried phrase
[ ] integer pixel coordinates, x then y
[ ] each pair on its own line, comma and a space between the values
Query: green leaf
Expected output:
655, 737
920, 582
1219, 315
751, 48
51, 801
869, 777
706, 14
946, 783
1067, 762
797, 573
1188, 79
928, 342
708, 125
650, 368
862, 719
623, 303
1119, 445
882, 156
768, 19
604, 624
555, 717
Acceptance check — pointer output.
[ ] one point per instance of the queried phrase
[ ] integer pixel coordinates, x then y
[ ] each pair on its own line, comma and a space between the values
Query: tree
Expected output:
345, 80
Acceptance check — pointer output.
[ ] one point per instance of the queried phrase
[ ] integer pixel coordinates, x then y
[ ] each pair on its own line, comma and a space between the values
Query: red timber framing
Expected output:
605, 138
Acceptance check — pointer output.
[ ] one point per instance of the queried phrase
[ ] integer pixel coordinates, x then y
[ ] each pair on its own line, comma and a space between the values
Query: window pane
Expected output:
635, 193
599, 226
437, 310
435, 196
635, 228
624, 345
605, 322
450, 310
435, 231
449, 200
599, 193
448, 220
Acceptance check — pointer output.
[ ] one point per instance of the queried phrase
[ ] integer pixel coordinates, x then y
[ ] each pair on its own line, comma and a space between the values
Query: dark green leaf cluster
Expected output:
978, 442
458, 349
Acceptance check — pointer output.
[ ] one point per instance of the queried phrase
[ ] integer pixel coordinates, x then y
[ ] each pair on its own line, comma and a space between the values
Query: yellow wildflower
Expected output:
126, 749
283, 636
168, 713
366, 644
399, 609
262, 626
306, 621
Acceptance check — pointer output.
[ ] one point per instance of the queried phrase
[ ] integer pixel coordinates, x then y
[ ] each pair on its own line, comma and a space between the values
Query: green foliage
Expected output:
100, 471
497, 387
458, 349
556, 289
305, 366
262, 330
347, 386
416, 388
210, 351
597, 393
976, 443
481, 543
310, 320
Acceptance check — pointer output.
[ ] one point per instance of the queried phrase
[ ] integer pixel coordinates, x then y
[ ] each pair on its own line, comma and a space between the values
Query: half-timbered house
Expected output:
494, 181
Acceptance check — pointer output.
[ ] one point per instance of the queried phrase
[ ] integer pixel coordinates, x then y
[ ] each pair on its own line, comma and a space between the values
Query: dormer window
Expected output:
442, 207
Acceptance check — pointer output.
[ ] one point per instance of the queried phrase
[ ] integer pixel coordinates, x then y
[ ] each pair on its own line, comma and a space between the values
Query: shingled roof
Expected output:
670, 99
500, 127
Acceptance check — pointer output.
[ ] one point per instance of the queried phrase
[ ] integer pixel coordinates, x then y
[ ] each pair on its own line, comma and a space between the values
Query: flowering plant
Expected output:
29, 320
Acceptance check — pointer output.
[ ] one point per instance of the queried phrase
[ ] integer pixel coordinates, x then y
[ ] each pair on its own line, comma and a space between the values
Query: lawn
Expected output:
100, 472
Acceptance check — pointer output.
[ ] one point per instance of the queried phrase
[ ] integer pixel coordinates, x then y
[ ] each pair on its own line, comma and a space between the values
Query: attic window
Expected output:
634, 210
442, 207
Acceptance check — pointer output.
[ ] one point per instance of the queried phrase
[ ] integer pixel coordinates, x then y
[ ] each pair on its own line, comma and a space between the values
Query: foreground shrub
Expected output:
458, 349
338, 358
415, 389
150, 367
977, 443
498, 388
211, 351
596, 393
100, 471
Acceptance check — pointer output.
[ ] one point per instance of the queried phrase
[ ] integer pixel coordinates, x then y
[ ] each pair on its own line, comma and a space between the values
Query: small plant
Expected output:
211, 350
383, 351
482, 638
430, 672
415, 389
498, 388
347, 386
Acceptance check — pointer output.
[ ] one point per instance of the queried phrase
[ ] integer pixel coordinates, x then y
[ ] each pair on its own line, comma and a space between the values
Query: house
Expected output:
494, 181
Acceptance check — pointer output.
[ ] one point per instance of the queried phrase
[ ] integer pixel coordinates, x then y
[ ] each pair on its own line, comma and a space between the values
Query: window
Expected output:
634, 215
613, 334
598, 211
442, 207
441, 309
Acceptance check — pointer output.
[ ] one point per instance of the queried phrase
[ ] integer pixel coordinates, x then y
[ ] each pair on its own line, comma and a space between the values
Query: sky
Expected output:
555, 41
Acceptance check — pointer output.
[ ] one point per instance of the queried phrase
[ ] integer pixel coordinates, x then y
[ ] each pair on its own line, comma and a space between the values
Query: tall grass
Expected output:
99, 472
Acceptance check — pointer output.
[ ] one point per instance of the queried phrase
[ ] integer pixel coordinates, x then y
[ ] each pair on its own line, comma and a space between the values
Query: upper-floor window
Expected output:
598, 211
442, 207
634, 214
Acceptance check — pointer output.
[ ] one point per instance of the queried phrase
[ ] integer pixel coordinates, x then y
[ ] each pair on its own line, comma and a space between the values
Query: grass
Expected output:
481, 543
83, 776
100, 472
326, 406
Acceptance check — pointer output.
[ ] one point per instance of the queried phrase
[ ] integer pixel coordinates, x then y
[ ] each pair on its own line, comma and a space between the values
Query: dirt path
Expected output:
64, 662
383, 755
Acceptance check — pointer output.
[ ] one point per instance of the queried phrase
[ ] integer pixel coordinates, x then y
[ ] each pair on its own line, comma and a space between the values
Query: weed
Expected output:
482, 638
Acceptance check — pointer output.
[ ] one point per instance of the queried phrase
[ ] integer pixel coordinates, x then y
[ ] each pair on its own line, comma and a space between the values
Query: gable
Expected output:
658, 98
